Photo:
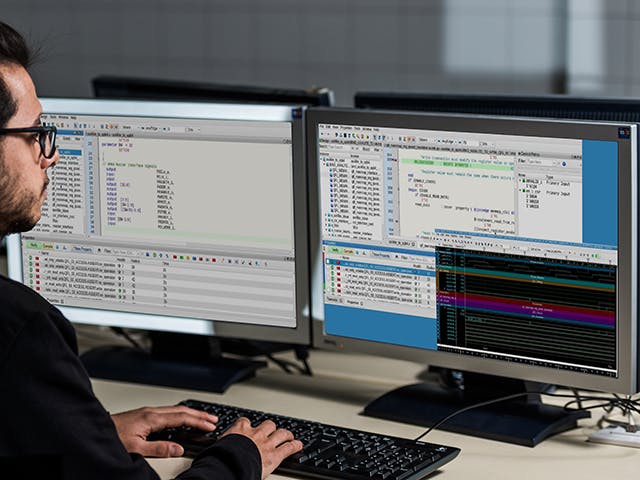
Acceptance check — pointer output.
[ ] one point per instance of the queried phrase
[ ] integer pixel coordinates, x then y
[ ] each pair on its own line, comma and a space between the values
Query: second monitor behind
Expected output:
112, 86
549, 106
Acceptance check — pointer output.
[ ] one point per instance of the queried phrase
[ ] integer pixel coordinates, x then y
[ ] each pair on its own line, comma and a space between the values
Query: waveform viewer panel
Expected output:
527, 309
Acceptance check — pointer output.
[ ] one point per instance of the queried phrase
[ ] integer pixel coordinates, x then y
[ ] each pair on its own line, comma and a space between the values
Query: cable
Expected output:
302, 354
283, 364
471, 407
626, 405
289, 366
608, 403
576, 393
307, 367
123, 333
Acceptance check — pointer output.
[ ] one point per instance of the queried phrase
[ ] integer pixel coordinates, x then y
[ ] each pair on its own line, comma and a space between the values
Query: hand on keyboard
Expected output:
135, 426
330, 452
274, 444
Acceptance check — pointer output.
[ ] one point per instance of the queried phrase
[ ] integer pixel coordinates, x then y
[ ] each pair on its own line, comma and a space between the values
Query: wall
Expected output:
604, 37
348, 45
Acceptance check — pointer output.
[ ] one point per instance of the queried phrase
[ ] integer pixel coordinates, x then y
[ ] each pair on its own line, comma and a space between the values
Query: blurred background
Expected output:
582, 47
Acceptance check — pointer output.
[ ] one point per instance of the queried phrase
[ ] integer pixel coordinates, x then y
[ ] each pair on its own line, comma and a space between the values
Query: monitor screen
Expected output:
174, 217
496, 245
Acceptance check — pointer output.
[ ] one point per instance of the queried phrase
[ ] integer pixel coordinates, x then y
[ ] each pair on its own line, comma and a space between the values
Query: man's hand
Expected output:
274, 444
135, 425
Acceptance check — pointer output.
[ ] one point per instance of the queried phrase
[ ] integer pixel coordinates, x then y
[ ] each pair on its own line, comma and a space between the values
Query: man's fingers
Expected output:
242, 426
199, 420
280, 436
160, 449
194, 413
185, 410
266, 428
289, 448
285, 449
244, 421
272, 457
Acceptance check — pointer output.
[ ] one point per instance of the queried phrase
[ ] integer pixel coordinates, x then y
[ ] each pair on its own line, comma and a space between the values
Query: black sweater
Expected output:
51, 424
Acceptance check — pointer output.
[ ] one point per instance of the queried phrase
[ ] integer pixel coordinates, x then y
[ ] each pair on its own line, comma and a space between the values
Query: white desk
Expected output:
337, 398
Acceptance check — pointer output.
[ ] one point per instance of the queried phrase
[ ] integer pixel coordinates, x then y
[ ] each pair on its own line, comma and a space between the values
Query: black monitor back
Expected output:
550, 106
116, 87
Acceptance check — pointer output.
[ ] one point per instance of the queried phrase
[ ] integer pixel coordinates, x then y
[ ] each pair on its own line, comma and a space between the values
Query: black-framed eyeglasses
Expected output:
46, 137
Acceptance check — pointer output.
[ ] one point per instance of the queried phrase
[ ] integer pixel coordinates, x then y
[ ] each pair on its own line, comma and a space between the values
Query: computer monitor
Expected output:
550, 106
500, 246
117, 87
174, 217
618, 109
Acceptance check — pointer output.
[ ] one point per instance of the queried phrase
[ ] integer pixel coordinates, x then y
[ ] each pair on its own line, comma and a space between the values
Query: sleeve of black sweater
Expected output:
232, 457
51, 417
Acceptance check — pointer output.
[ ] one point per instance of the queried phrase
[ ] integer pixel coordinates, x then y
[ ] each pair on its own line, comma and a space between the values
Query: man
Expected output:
51, 424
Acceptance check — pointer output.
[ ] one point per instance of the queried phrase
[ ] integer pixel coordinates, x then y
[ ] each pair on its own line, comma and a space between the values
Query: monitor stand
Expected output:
176, 360
526, 421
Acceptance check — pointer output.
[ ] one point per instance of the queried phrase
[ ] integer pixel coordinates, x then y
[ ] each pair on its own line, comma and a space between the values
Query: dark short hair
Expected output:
13, 51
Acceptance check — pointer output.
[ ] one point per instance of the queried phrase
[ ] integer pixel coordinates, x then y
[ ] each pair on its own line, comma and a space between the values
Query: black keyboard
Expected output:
329, 452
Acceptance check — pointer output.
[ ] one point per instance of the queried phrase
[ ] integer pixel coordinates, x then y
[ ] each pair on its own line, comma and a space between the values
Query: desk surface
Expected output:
339, 390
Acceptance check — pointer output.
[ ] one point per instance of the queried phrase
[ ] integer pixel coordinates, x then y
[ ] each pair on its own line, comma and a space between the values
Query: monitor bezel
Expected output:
191, 110
626, 382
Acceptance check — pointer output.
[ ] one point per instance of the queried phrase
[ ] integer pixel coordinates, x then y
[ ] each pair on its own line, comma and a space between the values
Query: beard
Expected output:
18, 211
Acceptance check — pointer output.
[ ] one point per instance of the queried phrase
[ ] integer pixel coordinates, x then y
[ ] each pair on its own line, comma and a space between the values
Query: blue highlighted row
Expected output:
74, 133
74, 153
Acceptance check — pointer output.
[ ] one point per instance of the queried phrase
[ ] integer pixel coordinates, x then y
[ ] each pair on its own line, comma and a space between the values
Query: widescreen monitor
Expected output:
619, 109
133, 88
501, 246
174, 217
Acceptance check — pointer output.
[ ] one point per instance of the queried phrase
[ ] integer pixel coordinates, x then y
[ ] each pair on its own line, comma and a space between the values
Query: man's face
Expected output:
23, 177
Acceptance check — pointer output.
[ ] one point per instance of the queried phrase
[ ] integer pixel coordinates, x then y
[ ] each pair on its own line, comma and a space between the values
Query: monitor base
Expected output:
522, 422
136, 366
